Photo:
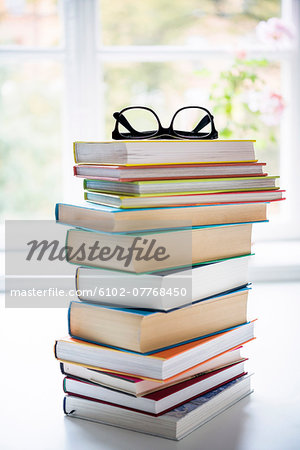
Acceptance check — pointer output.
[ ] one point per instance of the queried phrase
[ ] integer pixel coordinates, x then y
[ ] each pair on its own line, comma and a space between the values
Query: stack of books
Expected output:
163, 244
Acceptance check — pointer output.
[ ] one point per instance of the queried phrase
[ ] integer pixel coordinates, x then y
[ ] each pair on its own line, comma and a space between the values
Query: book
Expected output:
175, 424
160, 365
161, 172
159, 402
140, 386
183, 187
173, 199
144, 331
163, 152
111, 219
157, 250
164, 290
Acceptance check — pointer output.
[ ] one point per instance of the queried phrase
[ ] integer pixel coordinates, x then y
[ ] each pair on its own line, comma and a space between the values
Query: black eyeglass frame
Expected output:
169, 132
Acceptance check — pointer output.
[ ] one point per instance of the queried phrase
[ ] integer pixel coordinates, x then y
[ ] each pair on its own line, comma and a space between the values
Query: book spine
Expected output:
117, 405
64, 405
61, 366
77, 281
74, 152
55, 352
66, 245
69, 319
57, 211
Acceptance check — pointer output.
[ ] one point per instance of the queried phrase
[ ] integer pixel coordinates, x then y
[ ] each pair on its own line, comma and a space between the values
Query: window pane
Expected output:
188, 22
30, 22
30, 149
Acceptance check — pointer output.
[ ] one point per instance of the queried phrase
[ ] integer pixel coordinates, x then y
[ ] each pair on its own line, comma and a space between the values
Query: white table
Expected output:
31, 387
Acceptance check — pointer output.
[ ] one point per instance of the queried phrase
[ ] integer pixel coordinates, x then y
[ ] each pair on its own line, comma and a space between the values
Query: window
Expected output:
31, 89
66, 66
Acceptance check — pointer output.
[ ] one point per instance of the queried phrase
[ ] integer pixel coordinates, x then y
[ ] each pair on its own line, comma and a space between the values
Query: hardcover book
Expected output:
177, 199
159, 365
164, 290
175, 424
163, 152
139, 386
183, 187
144, 331
161, 401
158, 250
163, 172
110, 219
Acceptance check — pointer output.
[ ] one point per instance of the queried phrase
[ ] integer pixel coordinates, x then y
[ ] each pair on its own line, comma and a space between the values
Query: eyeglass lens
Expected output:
192, 120
140, 120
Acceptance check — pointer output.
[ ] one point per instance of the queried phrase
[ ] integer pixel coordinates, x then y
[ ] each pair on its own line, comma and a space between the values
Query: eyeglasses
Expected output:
190, 122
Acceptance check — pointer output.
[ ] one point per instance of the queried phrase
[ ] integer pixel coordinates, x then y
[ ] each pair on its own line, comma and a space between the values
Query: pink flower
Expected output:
241, 54
270, 105
274, 32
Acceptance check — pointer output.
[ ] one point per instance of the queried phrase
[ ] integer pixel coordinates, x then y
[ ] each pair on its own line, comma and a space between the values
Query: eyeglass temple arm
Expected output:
123, 121
203, 122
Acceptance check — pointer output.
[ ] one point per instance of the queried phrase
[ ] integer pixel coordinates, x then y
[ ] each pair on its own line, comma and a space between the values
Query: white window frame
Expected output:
83, 112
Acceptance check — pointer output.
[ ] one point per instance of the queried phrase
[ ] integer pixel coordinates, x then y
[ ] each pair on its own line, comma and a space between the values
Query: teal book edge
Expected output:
158, 272
154, 271
154, 351
147, 312
113, 210
56, 212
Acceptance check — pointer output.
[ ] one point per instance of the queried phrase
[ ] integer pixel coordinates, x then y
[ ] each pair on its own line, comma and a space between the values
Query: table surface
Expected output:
32, 416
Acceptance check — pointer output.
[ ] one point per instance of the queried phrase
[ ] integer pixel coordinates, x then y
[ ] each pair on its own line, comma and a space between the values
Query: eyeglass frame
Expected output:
170, 132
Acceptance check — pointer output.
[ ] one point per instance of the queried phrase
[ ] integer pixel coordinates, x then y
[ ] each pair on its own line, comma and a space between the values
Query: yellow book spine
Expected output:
74, 152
